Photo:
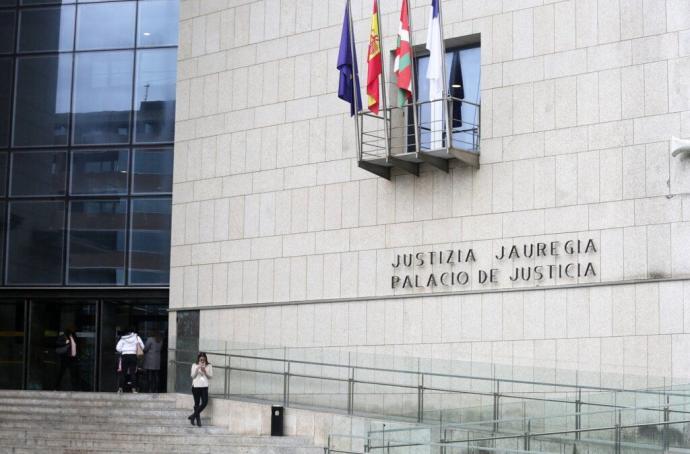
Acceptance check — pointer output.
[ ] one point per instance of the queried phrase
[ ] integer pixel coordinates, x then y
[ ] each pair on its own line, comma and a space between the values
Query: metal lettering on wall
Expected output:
569, 260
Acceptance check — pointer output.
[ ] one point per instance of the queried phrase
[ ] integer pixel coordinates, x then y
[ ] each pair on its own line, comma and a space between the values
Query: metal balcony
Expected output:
405, 137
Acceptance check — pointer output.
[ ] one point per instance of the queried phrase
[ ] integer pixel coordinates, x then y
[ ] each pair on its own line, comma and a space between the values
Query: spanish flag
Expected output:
374, 62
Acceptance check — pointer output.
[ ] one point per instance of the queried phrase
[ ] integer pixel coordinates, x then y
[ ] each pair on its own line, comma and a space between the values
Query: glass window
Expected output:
106, 25
3, 180
5, 96
150, 241
8, 2
99, 172
6, 32
38, 173
35, 243
44, 2
97, 242
46, 29
152, 171
42, 100
462, 76
158, 23
102, 97
155, 95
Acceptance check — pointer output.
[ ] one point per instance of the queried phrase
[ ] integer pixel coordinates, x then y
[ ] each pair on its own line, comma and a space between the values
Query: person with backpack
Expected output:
67, 350
130, 347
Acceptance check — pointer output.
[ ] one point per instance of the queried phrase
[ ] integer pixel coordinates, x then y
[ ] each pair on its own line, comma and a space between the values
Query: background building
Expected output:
87, 106
280, 239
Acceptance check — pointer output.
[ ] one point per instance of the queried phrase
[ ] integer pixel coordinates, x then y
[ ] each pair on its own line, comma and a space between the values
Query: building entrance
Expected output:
30, 329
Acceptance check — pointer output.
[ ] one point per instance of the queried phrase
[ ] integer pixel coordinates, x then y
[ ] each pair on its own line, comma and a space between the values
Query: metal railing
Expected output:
408, 135
408, 395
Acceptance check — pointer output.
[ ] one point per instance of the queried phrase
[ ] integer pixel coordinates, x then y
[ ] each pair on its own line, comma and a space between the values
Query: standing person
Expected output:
152, 361
67, 350
201, 373
129, 346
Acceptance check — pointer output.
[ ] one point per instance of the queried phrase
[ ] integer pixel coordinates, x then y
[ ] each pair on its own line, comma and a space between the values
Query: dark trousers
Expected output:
200, 400
152, 378
71, 364
129, 367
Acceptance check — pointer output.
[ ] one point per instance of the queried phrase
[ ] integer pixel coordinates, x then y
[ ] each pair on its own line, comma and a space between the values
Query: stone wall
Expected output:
579, 101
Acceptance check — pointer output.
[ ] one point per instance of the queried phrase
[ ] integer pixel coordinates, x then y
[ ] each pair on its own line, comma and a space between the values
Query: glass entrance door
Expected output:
11, 344
48, 320
149, 319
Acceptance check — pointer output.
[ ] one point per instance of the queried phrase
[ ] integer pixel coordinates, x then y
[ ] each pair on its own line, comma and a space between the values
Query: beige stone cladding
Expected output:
274, 221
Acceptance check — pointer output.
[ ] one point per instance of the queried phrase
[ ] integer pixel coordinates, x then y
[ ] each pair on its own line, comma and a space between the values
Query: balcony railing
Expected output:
407, 136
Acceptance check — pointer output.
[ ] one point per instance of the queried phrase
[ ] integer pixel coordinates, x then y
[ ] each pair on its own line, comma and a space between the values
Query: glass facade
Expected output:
87, 106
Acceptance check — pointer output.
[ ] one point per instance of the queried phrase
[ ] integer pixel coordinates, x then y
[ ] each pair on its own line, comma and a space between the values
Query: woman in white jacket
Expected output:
127, 346
202, 372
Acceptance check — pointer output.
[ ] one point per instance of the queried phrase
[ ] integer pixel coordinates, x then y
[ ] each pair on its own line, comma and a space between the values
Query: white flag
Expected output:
434, 74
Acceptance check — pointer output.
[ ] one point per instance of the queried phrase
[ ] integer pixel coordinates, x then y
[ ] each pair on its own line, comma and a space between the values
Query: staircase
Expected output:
81, 423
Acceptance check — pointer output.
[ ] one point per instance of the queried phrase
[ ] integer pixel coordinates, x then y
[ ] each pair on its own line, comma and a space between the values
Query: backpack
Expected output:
62, 345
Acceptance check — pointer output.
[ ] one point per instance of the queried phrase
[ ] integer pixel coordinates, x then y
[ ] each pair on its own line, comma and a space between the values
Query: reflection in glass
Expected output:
106, 25
38, 173
34, 254
5, 96
11, 344
157, 23
97, 242
102, 97
42, 100
6, 32
46, 29
155, 95
150, 241
99, 172
49, 319
468, 71
152, 171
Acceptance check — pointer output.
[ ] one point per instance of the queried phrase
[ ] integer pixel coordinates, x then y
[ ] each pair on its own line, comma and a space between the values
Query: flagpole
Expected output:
383, 84
444, 90
413, 81
355, 79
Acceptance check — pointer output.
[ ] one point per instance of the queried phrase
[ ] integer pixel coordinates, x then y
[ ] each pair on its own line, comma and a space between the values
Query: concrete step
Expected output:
154, 404
43, 419
82, 395
160, 448
76, 410
171, 428
97, 423
116, 434
41, 445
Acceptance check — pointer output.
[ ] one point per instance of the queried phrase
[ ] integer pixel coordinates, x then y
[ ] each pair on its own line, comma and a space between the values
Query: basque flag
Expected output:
403, 58
374, 62
348, 86
434, 75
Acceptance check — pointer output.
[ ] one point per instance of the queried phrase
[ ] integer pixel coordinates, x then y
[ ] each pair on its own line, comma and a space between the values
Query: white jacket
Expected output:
127, 345
199, 379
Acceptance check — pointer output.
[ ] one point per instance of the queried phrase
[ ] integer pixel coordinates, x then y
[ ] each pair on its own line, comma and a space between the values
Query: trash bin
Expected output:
277, 413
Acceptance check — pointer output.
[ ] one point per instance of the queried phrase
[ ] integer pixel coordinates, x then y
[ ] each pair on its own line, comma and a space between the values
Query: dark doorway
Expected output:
148, 318
11, 344
48, 321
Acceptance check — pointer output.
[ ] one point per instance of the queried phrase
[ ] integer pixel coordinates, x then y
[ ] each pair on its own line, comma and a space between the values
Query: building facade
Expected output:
87, 104
567, 249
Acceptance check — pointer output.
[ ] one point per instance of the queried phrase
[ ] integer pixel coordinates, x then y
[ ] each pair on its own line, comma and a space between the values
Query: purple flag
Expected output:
347, 65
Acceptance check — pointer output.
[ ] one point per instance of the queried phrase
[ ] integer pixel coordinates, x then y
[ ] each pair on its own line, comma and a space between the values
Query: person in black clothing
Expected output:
68, 350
